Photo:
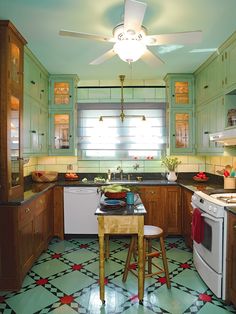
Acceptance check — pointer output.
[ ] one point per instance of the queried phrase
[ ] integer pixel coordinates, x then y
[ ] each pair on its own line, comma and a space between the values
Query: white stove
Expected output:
210, 255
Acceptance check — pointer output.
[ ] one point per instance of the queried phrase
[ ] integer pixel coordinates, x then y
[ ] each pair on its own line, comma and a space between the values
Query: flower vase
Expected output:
171, 176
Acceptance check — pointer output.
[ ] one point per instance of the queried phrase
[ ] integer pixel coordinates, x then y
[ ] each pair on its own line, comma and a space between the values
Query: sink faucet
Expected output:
109, 175
120, 171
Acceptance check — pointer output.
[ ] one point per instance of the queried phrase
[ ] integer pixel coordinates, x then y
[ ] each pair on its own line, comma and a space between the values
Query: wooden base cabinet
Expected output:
231, 259
24, 234
163, 205
152, 198
187, 212
173, 212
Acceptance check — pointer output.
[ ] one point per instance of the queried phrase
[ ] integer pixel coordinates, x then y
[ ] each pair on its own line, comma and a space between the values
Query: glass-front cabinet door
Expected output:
15, 141
11, 95
180, 104
63, 91
181, 132
181, 90
61, 137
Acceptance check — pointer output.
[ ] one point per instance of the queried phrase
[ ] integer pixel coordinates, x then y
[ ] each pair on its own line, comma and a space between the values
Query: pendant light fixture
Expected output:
122, 114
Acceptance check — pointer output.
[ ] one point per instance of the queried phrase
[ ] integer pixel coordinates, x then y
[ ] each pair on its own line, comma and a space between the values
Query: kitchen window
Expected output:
112, 139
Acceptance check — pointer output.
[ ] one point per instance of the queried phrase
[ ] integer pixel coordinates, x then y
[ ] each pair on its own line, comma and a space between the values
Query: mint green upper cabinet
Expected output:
63, 91
208, 83
35, 109
63, 115
43, 89
181, 132
180, 103
35, 128
180, 90
209, 119
229, 64
62, 133
31, 77
43, 131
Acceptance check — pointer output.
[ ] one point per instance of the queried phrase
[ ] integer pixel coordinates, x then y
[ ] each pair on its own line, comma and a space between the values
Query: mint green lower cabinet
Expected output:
181, 132
209, 119
62, 133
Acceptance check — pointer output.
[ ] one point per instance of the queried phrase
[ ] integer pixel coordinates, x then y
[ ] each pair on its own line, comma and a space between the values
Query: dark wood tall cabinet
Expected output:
11, 100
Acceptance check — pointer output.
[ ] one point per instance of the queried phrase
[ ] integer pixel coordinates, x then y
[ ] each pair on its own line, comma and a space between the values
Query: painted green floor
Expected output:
64, 280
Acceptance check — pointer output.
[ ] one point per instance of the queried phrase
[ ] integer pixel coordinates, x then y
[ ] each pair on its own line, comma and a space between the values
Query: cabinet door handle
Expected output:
32, 82
33, 131
206, 132
234, 227
27, 210
42, 134
42, 90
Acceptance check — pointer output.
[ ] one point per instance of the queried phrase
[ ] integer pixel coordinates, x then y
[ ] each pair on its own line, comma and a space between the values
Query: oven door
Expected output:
211, 248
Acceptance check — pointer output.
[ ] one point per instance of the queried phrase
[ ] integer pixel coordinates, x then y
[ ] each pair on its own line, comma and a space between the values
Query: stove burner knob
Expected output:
215, 210
209, 208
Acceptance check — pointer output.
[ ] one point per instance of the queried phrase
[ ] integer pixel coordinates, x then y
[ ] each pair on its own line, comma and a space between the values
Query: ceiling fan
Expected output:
130, 37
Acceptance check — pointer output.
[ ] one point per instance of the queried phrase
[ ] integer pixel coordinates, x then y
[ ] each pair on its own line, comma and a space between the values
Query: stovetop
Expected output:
214, 202
227, 198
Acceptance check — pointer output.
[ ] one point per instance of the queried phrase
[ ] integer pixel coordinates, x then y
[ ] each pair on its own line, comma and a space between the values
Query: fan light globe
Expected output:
129, 50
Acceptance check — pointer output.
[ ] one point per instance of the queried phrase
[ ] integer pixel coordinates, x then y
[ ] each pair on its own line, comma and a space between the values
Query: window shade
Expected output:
112, 139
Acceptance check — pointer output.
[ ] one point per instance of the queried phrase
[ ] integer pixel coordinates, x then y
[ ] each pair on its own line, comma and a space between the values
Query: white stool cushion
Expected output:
152, 230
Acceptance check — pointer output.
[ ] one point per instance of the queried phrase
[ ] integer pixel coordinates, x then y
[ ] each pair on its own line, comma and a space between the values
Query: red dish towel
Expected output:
197, 226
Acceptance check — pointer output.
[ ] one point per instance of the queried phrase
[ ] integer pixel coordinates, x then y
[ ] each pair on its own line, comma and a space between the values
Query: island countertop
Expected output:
131, 210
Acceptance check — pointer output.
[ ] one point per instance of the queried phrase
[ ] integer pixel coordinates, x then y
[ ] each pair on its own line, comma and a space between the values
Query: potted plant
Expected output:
171, 163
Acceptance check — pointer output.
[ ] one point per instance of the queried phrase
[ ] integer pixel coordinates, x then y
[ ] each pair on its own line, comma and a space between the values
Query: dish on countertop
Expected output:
112, 204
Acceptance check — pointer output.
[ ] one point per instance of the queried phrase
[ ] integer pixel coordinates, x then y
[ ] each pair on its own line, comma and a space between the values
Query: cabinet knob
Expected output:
152, 192
206, 132
32, 82
234, 227
27, 210
70, 96
173, 134
42, 90
206, 86
70, 135
42, 134
33, 131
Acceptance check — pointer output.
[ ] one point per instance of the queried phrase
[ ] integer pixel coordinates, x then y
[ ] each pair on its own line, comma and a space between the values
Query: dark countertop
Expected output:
32, 189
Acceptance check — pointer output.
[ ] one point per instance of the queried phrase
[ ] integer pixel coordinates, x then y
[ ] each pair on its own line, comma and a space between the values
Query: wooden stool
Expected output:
150, 233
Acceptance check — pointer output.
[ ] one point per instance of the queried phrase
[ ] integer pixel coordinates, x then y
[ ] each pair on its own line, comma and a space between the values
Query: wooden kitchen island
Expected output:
125, 220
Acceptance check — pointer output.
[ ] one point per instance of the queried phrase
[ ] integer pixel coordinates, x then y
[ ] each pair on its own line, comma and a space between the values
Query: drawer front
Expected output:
25, 212
152, 193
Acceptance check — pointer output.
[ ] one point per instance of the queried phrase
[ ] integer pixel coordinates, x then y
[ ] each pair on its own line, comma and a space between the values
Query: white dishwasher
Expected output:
80, 204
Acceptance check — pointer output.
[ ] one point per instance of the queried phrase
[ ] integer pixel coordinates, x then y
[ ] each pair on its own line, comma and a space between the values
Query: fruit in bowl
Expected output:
201, 177
71, 176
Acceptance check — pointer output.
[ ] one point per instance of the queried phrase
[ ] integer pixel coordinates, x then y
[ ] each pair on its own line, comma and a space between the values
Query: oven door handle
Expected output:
211, 218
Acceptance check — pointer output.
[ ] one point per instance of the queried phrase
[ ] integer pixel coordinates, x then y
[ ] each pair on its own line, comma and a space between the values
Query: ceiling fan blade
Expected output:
106, 56
133, 15
151, 59
86, 36
174, 38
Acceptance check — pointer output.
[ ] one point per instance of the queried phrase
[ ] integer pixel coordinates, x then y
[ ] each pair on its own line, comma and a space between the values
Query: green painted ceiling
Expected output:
39, 21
